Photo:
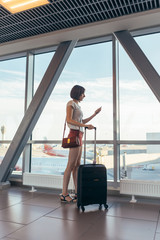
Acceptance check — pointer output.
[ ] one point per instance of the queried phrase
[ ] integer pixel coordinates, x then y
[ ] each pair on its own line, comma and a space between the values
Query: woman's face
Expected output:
82, 96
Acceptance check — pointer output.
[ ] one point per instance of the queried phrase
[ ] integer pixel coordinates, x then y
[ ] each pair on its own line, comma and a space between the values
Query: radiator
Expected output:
140, 188
45, 180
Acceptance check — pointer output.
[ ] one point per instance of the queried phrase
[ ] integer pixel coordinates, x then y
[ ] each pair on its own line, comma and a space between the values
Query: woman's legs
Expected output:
75, 169
74, 154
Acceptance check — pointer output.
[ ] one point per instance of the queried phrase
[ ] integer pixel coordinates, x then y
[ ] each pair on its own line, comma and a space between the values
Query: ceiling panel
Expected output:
63, 14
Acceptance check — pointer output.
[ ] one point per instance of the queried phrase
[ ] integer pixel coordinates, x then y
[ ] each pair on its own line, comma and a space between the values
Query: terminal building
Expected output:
111, 48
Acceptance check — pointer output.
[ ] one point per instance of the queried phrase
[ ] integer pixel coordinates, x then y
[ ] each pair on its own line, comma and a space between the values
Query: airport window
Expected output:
91, 67
95, 74
140, 162
12, 95
139, 115
139, 108
52, 158
150, 46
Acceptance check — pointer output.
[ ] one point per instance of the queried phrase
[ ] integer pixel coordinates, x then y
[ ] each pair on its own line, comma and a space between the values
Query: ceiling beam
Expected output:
130, 22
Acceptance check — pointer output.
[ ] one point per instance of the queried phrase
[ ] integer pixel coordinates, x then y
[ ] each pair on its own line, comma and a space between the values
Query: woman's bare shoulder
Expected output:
70, 103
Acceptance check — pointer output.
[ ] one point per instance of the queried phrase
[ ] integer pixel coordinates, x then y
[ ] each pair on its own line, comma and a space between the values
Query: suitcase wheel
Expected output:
83, 209
105, 206
100, 207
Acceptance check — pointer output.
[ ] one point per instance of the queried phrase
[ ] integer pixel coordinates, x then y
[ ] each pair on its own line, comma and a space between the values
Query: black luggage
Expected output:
92, 182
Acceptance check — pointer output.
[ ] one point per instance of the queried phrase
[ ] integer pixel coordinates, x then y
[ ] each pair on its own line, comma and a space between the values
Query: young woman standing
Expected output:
76, 123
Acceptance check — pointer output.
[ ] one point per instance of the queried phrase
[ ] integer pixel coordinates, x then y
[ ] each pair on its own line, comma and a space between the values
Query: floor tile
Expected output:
113, 199
71, 212
17, 194
6, 201
41, 215
115, 228
135, 211
8, 228
24, 214
45, 200
49, 229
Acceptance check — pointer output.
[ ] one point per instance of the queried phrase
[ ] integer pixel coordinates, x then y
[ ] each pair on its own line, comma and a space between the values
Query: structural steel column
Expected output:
116, 118
140, 60
35, 108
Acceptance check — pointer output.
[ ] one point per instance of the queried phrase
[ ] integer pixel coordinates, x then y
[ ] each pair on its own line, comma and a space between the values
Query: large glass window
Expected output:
139, 108
12, 94
95, 75
139, 115
52, 158
140, 162
151, 51
91, 67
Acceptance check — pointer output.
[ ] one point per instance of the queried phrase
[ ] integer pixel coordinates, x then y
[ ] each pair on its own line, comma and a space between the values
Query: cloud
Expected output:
71, 74
133, 85
18, 73
14, 89
98, 88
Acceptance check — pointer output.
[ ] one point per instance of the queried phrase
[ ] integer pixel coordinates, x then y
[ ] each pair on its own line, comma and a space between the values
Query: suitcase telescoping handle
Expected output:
94, 161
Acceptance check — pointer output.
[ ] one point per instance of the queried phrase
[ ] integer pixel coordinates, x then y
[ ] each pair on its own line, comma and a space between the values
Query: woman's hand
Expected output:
98, 110
89, 126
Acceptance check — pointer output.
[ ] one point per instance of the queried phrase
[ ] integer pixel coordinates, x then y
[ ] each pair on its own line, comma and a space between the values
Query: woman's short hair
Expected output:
77, 91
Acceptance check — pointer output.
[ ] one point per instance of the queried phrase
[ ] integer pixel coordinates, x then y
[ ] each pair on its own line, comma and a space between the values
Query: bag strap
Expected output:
64, 127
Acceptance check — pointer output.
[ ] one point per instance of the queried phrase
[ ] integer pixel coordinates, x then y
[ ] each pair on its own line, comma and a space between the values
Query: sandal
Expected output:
75, 196
63, 198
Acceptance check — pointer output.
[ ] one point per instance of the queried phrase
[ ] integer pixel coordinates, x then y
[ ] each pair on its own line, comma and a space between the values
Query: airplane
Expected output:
152, 167
49, 150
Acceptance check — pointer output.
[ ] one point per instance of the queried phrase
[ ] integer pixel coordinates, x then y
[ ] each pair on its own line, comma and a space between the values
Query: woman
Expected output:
76, 123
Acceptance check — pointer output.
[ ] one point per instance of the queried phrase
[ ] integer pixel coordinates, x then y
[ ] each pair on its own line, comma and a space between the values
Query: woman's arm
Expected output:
92, 116
70, 120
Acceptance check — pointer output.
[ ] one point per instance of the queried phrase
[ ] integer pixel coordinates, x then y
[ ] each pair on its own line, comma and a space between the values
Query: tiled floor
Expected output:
41, 216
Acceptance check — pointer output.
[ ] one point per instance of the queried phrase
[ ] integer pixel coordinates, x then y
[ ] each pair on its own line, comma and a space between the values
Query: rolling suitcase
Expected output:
92, 182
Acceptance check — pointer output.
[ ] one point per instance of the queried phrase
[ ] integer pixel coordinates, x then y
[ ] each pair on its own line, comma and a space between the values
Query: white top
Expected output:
77, 115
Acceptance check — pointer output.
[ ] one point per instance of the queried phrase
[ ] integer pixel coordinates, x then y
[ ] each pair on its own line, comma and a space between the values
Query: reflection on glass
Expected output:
140, 162
52, 158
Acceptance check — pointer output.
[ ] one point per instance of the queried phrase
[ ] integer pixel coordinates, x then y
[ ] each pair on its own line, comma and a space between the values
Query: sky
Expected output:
90, 67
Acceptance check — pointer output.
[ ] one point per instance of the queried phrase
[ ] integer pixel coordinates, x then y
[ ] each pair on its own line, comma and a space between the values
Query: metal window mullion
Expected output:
29, 89
116, 120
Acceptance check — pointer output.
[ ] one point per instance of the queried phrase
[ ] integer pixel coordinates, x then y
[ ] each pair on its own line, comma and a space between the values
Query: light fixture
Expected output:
15, 6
